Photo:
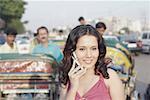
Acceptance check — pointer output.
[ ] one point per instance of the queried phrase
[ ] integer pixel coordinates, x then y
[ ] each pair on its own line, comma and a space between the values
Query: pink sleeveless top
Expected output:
98, 92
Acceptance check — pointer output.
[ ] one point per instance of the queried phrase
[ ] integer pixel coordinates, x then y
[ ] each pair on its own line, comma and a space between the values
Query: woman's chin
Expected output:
88, 66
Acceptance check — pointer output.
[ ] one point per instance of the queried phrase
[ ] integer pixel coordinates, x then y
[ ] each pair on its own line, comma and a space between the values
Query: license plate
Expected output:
145, 47
132, 45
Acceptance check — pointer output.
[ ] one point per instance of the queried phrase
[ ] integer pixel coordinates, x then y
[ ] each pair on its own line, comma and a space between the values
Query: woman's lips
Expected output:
88, 61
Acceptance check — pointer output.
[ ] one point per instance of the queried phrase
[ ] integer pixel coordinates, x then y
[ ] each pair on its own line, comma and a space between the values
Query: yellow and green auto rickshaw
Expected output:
124, 67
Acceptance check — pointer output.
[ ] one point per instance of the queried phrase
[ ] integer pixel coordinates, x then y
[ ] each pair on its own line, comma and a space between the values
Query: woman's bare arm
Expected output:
115, 86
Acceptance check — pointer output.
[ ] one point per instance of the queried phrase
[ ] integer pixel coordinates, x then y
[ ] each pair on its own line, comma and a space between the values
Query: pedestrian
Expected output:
34, 42
45, 46
84, 74
82, 20
101, 27
10, 45
2, 37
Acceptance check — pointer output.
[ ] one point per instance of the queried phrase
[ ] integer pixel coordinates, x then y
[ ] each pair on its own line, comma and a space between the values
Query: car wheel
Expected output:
136, 53
149, 51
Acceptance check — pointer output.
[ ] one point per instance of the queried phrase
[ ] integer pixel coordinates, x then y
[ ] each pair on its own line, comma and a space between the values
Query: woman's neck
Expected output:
45, 44
89, 73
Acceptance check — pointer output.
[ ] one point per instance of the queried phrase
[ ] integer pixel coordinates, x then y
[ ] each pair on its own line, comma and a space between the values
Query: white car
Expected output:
23, 44
146, 42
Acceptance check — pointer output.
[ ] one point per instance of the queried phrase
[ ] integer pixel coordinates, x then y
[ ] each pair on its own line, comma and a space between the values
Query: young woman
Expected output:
84, 75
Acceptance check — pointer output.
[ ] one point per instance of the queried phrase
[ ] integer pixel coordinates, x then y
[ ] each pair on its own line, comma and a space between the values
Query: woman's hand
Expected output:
75, 74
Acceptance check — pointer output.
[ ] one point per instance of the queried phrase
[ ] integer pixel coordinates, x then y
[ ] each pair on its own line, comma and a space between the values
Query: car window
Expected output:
144, 36
111, 41
129, 37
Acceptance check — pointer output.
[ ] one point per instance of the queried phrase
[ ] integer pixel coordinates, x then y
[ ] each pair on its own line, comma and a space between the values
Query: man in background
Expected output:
2, 37
34, 42
82, 20
101, 27
10, 45
45, 46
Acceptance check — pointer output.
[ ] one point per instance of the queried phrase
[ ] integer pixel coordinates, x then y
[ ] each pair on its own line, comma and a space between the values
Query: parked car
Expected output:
132, 42
146, 42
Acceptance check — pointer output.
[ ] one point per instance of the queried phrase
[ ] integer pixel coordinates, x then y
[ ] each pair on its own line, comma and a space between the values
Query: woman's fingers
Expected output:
75, 60
75, 70
73, 67
79, 73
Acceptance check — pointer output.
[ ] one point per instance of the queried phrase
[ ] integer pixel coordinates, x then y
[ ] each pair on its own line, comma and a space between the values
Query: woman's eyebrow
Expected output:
86, 46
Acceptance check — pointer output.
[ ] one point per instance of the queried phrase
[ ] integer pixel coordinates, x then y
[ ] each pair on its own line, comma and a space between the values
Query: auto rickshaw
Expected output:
125, 69
26, 74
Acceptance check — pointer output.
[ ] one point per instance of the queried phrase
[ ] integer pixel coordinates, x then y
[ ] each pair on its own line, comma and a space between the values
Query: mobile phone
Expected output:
74, 57
77, 64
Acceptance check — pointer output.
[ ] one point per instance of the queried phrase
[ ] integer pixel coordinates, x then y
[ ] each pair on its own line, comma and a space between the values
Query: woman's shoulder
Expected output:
113, 77
115, 85
113, 74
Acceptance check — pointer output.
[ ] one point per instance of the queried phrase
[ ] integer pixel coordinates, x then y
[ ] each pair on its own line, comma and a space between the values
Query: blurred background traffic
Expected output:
127, 36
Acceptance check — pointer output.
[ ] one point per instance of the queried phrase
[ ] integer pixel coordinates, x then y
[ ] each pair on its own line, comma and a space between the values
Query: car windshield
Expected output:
22, 37
145, 36
130, 37
111, 40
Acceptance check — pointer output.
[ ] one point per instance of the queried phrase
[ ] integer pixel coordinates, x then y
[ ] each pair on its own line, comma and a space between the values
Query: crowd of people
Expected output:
40, 44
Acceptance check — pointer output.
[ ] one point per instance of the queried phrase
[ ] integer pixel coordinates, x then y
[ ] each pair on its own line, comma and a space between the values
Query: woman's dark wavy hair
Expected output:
70, 46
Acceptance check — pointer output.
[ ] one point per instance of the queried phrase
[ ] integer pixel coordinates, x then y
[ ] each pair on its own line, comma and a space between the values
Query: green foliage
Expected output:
17, 24
11, 9
11, 12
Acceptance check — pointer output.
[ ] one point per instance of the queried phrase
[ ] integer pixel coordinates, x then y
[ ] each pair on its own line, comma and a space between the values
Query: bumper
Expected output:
146, 49
135, 49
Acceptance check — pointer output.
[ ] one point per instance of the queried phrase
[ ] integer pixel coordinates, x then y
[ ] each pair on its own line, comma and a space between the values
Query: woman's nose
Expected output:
89, 54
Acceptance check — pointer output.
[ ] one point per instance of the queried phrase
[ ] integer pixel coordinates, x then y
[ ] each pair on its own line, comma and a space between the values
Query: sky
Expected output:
60, 13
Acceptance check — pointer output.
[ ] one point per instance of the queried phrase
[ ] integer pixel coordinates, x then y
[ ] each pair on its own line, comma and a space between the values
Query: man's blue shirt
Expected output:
52, 49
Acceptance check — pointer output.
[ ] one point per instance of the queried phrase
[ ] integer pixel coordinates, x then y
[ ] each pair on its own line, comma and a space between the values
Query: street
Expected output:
142, 67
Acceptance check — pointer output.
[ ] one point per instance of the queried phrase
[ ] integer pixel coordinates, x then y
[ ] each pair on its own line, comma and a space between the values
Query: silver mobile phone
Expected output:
76, 61
74, 57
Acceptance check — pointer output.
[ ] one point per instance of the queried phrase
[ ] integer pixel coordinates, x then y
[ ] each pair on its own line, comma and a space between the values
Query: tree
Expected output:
11, 12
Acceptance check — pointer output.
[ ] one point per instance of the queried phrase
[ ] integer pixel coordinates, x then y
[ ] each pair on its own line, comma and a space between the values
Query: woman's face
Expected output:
87, 51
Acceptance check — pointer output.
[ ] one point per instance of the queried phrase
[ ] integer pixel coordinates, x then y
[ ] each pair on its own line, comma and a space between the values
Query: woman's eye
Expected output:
94, 48
81, 49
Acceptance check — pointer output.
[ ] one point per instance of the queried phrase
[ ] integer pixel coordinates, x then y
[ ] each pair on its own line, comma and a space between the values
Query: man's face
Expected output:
43, 36
82, 22
10, 39
101, 30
